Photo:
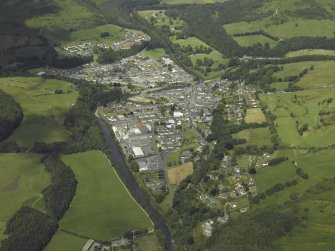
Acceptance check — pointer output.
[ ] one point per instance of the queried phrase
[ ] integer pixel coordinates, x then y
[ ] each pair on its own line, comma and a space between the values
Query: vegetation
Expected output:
177, 174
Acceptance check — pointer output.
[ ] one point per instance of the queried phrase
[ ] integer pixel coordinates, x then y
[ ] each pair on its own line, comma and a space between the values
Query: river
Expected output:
133, 187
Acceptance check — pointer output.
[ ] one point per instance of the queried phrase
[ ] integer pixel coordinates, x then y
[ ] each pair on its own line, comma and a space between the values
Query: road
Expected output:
133, 187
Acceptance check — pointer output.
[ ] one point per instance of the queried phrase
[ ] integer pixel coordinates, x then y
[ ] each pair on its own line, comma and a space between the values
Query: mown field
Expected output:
102, 207
22, 180
43, 111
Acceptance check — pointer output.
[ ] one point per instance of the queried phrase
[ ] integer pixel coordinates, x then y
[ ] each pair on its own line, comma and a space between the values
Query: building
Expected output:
178, 114
138, 153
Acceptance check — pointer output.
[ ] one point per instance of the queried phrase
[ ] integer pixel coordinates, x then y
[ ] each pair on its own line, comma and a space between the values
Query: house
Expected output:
143, 166
178, 114
185, 155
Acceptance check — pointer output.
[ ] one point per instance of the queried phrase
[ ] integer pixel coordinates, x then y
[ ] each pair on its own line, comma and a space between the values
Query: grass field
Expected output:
255, 136
192, 1
246, 41
43, 110
65, 241
293, 110
309, 52
22, 179
292, 28
102, 208
173, 158
159, 18
254, 115
177, 174
154, 53
148, 242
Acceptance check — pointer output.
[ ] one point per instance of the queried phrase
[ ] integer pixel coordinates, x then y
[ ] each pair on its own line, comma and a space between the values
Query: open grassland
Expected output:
157, 53
254, 115
255, 136
177, 174
246, 41
93, 35
43, 111
22, 179
294, 110
192, 41
192, 1
292, 28
65, 241
317, 165
158, 18
66, 15
148, 242
102, 207
173, 158
309, 52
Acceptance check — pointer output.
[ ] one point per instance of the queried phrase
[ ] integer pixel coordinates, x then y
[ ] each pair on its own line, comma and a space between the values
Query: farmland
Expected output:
43, 110
246, 41
62, 241
22, 179
254, 115
294, 111
255, 136
102, 208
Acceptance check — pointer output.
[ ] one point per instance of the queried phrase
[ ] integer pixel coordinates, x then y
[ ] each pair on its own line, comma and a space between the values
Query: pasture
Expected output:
192, 1
293, 28
254, 115
309, 52
102, 208
22, 180
293, 111
177, 174
158, 18
255, 136
156, 53
43, 110
246, 41
65, 241
148, 242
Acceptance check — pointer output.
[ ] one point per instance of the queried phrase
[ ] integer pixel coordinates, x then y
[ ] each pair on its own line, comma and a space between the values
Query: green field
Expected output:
22, 180
159, 19
102, 207
148, 242
255, 136
292, 28
293, 110
192, 1
65, 241
309, 52
43, 111
173, 158
246, 41
154, 53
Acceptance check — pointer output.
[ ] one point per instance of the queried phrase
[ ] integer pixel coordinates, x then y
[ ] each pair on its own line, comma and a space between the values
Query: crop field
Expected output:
254, 115
43, 110
296, 110
177, 174
22, 179
292, 28
246, 41
255, 136
102, 208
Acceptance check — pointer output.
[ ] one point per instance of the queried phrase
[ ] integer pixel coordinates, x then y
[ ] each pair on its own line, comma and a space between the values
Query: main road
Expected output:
128, 179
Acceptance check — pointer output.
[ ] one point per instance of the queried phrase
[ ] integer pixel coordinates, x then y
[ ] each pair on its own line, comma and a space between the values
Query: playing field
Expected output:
254, 115
22, 179
43, 111
177, 174
101, 208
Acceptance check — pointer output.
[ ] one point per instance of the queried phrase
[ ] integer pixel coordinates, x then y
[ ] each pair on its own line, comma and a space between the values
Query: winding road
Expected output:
128, 179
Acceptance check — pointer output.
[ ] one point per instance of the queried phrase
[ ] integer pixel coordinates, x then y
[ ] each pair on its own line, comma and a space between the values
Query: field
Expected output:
192, 41
294, 110
65, 241
254, 115
173, 158
309, 52
22, 179
192, 1
147, 242
177, 174
43, 110
157, 53
102, 207
255, 136
292, 28
159, 18
246, 41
